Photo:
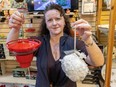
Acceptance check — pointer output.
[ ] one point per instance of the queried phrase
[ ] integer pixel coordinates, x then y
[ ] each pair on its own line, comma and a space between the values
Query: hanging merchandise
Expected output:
7, 4
73, 64
1, 5
4, 4
30, 28
88, 6
23, 49
19, 4
108, 3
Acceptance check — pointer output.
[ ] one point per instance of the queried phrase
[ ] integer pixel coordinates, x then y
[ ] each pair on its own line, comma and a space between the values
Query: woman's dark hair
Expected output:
51, 6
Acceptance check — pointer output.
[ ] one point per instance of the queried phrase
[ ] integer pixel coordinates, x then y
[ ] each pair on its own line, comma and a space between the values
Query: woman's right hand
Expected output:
16, 20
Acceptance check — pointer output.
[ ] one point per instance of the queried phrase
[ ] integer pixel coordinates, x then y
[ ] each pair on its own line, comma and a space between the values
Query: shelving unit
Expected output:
8, 79
105, 28
111, 34
30, 22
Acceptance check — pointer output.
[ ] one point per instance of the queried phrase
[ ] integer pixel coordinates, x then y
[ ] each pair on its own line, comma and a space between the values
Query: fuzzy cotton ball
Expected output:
74, 66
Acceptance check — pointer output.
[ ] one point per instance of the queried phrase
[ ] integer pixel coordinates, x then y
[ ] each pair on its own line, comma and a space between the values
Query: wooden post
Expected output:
99, 10
110, 43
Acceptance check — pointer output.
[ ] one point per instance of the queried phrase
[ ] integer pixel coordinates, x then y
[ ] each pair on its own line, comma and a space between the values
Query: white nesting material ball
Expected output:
74, 67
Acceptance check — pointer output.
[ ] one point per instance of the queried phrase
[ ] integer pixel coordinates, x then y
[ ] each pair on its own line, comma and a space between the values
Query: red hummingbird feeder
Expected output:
23, 49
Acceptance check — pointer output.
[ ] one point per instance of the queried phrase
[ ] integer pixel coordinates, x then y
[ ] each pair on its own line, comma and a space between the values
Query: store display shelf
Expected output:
2, 40
8, 78
41, 15
105, 28
79, 84
13, 58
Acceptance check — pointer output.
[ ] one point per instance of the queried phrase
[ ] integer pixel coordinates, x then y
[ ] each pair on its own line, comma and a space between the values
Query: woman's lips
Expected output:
55, 28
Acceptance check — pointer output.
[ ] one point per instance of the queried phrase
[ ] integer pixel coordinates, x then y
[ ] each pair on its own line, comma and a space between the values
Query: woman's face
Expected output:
54, 22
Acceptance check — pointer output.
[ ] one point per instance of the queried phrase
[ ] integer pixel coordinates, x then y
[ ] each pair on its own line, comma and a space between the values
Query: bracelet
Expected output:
88, 44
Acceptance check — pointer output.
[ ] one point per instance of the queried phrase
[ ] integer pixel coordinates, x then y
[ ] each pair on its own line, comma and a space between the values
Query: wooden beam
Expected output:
110, 43
99, 10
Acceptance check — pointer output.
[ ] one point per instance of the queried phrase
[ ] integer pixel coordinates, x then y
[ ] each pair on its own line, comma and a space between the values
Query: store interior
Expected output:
99, 13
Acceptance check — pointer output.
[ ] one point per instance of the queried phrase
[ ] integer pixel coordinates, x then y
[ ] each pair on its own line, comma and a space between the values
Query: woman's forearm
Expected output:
95, 54
13, 35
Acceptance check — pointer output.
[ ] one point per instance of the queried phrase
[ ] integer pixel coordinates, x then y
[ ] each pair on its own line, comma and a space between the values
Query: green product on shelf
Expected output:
19, 72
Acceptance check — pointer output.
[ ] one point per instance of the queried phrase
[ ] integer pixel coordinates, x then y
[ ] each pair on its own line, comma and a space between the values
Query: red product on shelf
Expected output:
23, 49
30, 30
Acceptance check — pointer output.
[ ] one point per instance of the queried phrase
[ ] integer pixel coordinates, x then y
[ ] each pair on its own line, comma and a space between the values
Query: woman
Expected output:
55, 38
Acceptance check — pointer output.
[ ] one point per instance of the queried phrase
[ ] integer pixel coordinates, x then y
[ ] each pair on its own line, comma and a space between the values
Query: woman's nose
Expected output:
54, 22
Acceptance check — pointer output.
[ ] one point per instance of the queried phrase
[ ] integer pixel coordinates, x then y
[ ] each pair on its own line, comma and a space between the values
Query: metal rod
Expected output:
75, 40
29, 73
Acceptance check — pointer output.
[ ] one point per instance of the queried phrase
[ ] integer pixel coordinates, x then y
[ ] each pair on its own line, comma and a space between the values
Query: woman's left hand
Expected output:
83, 28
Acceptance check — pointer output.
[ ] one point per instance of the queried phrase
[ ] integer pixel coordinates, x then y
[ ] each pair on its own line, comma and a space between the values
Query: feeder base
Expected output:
25, 65
24, 60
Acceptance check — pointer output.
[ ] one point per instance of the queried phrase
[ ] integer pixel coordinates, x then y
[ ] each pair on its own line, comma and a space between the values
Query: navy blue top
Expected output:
49, 70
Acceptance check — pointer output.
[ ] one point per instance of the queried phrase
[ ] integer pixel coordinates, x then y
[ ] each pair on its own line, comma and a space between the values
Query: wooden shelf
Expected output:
8, 78
105, 28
